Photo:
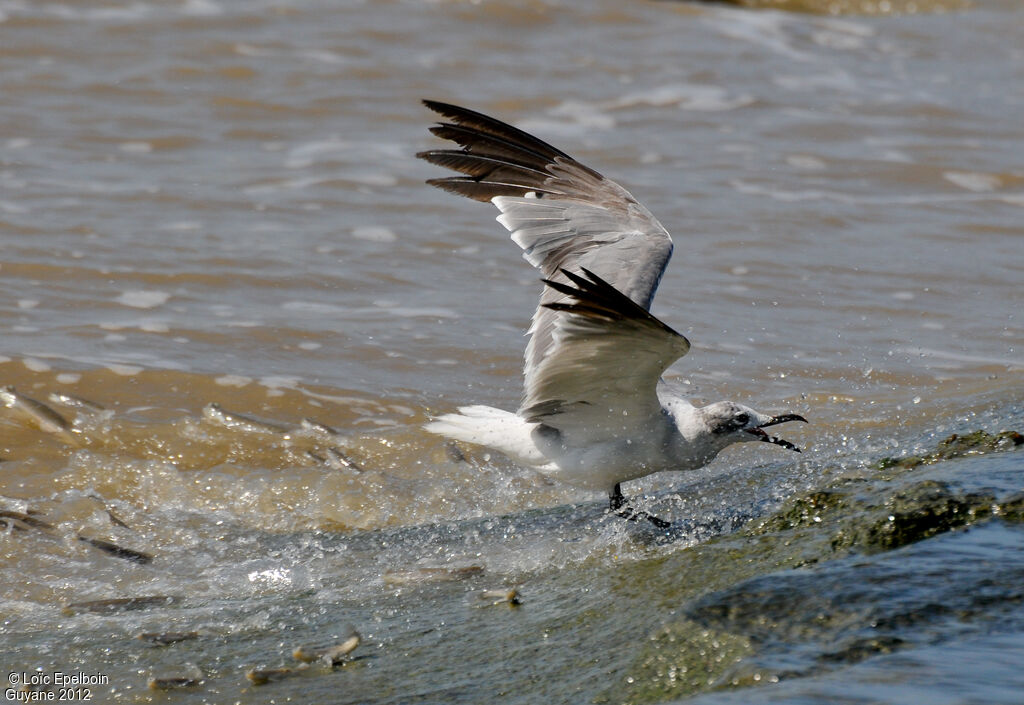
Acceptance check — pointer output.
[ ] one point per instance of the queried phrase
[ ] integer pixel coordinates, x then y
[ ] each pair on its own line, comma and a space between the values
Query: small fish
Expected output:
331, 655
73, 402
172, 682
262, 676
499, 597
189, 677
45, 418
315, 428
120, 604
25, 518
215, 413
339, 461
113, 549
454, 453
166, 638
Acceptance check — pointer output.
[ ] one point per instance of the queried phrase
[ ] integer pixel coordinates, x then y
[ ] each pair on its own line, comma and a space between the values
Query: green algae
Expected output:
921, 511
684, 658
957, 446
1012, 508
805, 510
877, 514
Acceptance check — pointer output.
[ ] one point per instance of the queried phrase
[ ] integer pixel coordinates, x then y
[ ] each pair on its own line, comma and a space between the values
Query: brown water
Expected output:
206, 201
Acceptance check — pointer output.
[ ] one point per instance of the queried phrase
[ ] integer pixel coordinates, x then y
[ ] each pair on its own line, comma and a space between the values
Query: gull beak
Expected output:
782, 418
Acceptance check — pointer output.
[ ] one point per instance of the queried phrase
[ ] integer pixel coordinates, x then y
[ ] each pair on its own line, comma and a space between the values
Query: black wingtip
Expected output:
448, 110
489, 128
593, 296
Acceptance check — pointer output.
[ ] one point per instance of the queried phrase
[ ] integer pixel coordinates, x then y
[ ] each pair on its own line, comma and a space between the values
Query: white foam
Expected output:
152, 326
804, 161
275, 382
35, 364
688, 96
124, 370
973, 181
316, 307
181, 226
232, 380
136, 147
307, 154
325, 57
143, 299
374, 233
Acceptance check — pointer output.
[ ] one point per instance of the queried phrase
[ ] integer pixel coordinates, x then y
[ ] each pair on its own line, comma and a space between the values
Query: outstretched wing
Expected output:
563, 214
601, 373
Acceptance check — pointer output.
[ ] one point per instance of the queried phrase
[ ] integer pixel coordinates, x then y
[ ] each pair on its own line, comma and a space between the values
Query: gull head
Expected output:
731, 423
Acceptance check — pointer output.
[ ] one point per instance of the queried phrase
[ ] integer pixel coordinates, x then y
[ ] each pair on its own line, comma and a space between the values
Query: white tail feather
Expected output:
494, 428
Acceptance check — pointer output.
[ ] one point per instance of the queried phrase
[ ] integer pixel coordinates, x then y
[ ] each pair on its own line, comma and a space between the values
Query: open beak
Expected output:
783, 418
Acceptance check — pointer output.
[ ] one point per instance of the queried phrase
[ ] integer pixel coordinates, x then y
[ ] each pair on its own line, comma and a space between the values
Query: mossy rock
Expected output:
1012, 508
737, 591
919, 512
805, 510
957, 446
681, 659
861, 649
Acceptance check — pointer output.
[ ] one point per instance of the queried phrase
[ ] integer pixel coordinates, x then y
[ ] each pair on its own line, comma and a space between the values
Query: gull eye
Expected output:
743, 419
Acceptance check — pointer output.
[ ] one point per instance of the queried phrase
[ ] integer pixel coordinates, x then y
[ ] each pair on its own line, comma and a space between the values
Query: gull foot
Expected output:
617, 504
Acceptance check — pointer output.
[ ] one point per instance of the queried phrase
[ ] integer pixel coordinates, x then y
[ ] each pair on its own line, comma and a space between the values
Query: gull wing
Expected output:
601, 372
564, 215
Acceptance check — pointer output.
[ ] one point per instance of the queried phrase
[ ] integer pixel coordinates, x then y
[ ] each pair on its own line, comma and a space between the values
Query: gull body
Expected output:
595, 412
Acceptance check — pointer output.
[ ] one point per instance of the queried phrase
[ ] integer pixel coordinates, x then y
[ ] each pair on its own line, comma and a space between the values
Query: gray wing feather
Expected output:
564, 215
608, 355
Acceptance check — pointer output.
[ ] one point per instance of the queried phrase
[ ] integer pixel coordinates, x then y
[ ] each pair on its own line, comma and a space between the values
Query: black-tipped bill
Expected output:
783, 418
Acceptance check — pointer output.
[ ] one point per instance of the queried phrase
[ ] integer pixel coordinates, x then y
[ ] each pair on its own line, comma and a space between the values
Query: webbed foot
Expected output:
617, 504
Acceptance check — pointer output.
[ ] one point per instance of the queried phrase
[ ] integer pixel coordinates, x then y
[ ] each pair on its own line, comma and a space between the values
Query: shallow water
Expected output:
208, 201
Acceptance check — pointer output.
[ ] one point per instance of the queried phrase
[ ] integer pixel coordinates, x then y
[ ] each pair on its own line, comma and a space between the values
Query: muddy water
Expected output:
216, 203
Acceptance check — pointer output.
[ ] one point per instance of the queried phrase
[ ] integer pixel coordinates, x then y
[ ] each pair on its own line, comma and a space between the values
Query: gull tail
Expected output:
494, 428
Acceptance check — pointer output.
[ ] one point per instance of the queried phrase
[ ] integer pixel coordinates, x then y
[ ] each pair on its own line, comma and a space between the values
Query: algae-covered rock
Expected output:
1012, 508
861, 648
791, 578
805, 510
681, 659
957, 446
877, 514
921, 511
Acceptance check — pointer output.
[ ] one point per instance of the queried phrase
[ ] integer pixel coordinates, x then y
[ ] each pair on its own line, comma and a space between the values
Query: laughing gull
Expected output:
595, 412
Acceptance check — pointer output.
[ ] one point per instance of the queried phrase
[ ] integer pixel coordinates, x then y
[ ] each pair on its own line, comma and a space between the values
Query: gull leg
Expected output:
617, 504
